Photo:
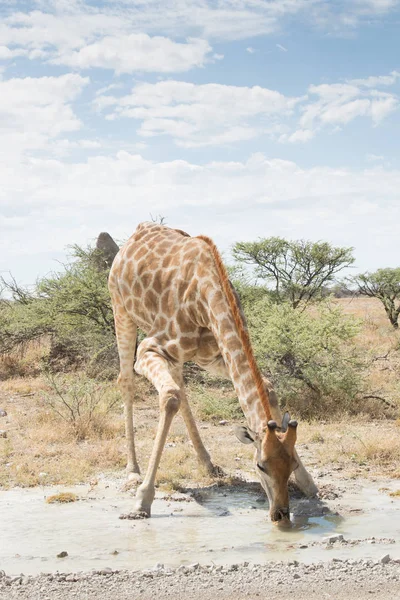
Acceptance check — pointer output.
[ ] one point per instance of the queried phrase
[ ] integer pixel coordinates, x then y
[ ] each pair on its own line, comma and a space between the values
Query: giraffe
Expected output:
176, 289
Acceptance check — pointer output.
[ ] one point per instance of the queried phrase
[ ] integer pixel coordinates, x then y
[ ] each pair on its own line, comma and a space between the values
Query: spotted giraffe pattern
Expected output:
167, 283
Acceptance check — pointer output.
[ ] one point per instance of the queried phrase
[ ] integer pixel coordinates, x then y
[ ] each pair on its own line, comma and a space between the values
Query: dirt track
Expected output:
339, 580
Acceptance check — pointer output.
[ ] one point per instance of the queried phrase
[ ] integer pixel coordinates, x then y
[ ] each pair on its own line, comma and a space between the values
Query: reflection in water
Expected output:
302, 522
223, 526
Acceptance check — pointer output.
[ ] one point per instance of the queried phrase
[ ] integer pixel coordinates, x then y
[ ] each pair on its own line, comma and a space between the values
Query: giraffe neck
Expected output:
225, 330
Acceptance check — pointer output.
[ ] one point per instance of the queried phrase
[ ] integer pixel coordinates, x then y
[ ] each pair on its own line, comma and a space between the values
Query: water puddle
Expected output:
222, 525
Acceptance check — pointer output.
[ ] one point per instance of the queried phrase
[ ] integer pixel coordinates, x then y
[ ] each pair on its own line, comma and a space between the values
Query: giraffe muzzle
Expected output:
281, 516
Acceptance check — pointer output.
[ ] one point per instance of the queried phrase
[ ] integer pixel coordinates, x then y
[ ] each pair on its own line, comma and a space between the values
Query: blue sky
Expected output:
234, 118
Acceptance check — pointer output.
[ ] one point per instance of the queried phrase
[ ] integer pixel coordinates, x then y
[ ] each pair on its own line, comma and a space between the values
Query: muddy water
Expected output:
220, 525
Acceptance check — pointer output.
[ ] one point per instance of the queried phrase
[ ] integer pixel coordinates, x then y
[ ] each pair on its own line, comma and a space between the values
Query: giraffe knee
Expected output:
170, 401
125, 382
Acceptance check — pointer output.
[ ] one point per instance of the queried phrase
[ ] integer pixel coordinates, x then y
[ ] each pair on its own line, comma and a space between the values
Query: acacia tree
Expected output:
299, 270
384, 284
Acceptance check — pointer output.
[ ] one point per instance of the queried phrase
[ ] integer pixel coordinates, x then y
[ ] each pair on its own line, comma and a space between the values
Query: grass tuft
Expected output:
62, 498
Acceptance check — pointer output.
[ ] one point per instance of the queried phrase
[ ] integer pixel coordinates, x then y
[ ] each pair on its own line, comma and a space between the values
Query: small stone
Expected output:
296, 576
385, 559
3, 433
333, 538
223, 422
303, 546
181, 569
106, 571
158, 567
62, 554
3, 413
70, 578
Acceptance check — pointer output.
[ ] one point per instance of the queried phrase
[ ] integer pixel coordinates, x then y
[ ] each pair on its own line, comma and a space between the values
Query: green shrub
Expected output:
214, 404
72, 309
309, 355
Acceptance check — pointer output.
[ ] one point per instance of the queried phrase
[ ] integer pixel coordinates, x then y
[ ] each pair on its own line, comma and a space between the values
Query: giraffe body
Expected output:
175, 289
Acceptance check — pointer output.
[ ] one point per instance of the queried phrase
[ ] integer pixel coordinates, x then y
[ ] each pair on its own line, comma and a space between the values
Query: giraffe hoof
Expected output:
217, 471
134, 516
135, 477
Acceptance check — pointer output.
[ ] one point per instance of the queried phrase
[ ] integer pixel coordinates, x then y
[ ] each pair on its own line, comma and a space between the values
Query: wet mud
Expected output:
219, 525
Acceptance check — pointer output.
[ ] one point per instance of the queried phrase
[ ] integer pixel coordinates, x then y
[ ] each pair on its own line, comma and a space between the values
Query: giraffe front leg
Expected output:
157, 369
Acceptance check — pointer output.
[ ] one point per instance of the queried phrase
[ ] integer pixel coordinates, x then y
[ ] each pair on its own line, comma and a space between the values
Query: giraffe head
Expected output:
275, 461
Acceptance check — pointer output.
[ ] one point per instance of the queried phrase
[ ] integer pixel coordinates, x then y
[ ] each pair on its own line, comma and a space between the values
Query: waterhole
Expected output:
220, 525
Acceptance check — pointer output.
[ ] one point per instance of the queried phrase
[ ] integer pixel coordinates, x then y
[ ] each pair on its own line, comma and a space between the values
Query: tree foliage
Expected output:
298, 270
72, 308
383, 284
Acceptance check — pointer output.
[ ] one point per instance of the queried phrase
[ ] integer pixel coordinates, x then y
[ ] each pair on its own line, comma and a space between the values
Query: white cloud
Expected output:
300, 135
282, 48
57, 28
374, 157
198, 115
376, 81
7, 54
340, 103
67, 202
216, 114
35, 110
138, 52
250, 50
372, 7
82, 33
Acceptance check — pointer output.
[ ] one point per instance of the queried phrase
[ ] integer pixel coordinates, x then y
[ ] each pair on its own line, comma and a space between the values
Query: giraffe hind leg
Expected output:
202, 454
126, 333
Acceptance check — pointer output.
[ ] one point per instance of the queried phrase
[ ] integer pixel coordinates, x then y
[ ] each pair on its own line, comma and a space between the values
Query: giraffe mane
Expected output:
242, 330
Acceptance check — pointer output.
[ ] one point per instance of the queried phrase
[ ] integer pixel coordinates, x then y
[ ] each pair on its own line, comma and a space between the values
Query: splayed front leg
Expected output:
157, 370
143, 501
304, 480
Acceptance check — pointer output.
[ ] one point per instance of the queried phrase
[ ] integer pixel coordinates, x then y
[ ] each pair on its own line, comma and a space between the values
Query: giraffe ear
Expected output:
245, 435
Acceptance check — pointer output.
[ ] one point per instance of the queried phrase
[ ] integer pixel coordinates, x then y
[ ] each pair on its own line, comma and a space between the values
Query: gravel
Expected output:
338, 579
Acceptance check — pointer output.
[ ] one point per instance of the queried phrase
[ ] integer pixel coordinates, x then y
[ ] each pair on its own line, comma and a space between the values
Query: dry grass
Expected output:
381, 344
24, 362
42, 449
62, 498
371, 447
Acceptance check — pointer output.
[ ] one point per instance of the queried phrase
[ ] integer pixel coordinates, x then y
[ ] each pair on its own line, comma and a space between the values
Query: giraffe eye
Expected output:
261, 468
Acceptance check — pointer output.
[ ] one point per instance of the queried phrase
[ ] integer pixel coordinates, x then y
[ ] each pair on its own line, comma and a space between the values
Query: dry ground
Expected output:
41, 448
